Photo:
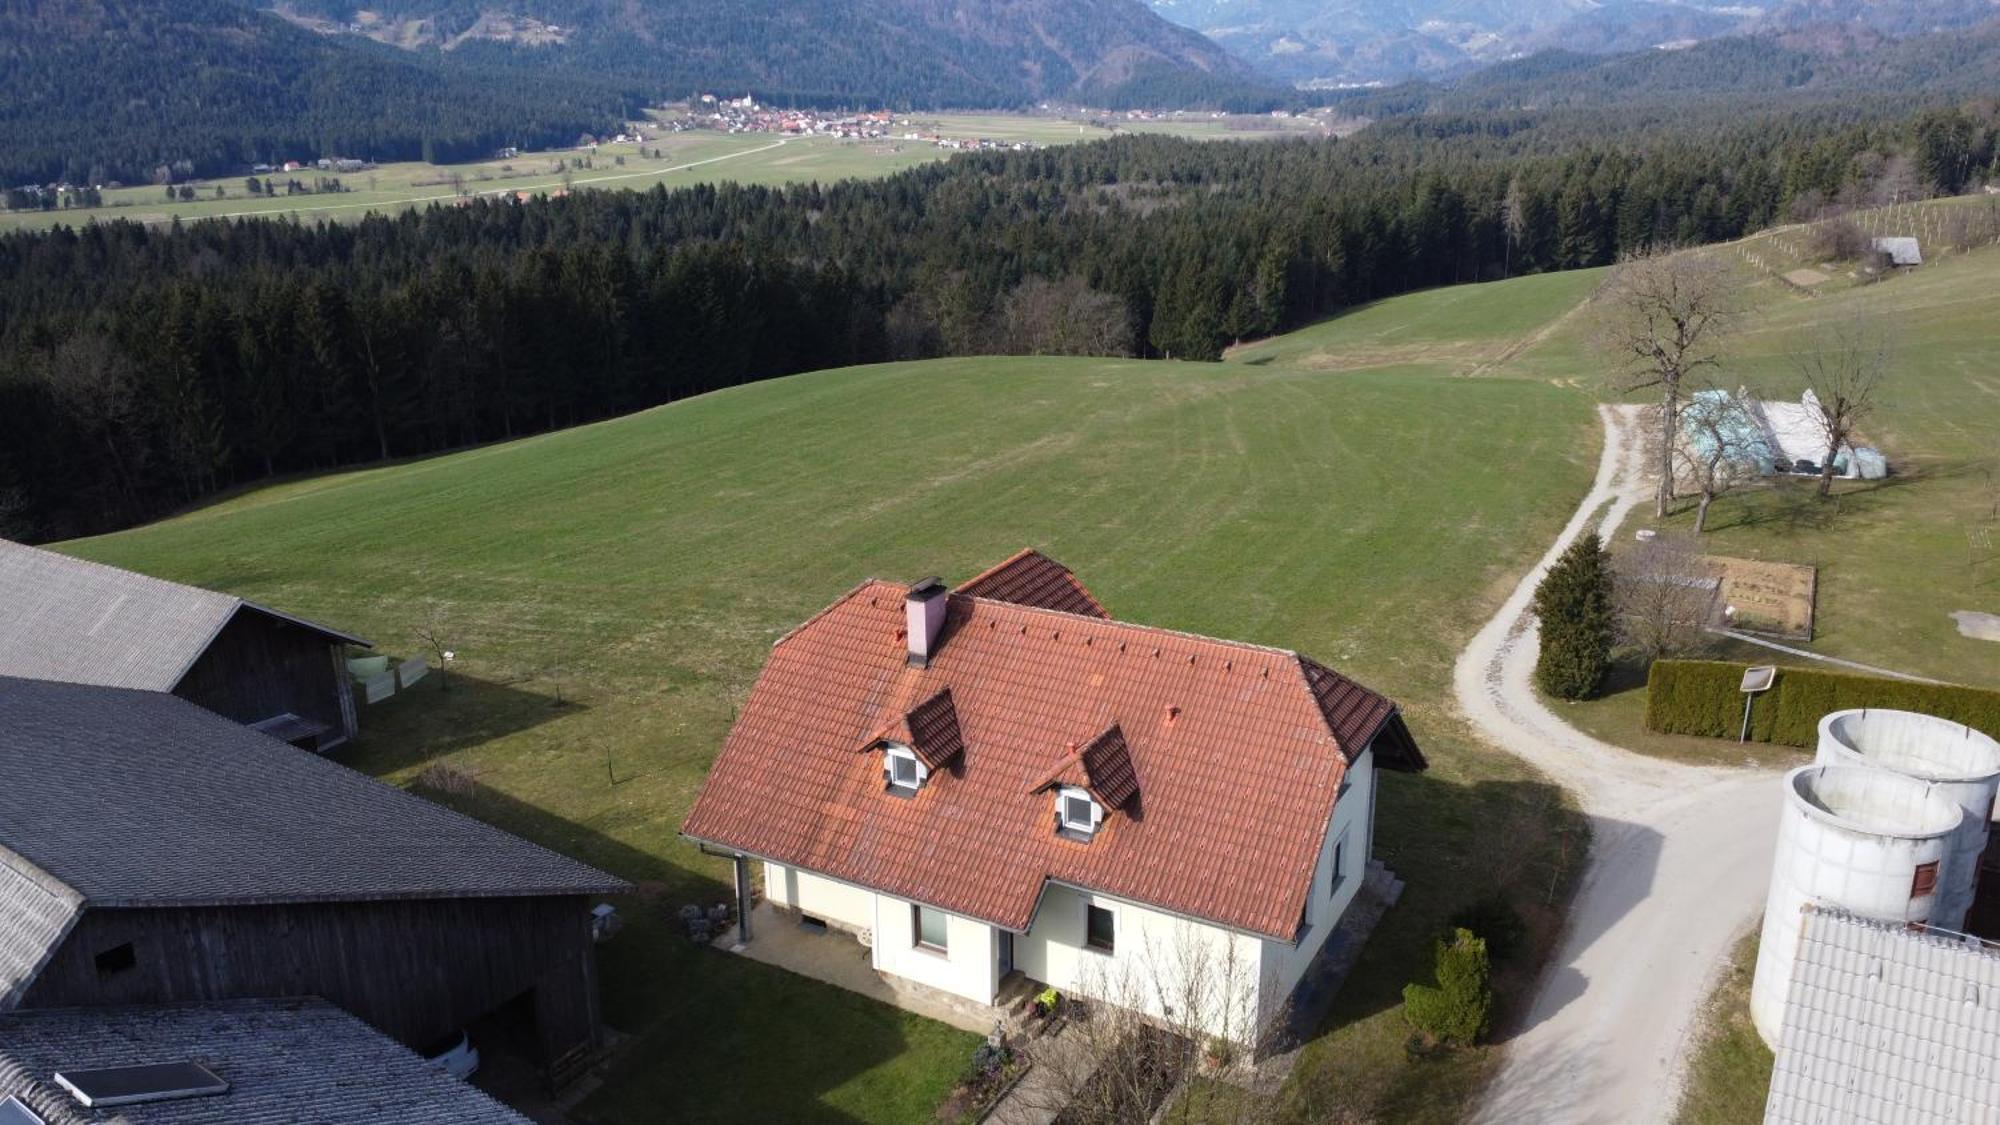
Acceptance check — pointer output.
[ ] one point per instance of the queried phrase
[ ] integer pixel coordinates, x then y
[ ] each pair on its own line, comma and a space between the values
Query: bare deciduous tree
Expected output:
1719, 447
1844, 369
1666, 597
1663, 317
1067, 317
1158, 1020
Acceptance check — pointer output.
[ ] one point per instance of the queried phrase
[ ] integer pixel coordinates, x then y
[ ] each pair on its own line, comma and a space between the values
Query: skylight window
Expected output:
1078, 815
901, 769
13, 1111
129, 1085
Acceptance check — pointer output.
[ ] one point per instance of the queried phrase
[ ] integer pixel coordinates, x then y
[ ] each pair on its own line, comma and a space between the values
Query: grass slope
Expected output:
638, 570
1896, 558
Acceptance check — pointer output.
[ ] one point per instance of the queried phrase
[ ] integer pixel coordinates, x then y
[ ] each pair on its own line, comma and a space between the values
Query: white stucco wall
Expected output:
1155, 957
841, 904
968, 966
1353, 814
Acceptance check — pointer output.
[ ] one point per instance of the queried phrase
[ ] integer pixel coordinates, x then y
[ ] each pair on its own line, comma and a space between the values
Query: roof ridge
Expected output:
1003, 564
127, 571
39, 875
1139, 626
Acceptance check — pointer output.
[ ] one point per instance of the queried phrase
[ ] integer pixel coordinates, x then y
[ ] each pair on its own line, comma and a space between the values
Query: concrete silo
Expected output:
1960, 763
1866, 841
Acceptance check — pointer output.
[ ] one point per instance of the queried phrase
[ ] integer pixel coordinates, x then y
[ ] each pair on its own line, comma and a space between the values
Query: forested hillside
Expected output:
904, 53
1832, 66
93, 91
144, 368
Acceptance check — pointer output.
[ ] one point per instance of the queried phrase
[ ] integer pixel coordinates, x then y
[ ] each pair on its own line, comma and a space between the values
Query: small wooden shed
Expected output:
75, 621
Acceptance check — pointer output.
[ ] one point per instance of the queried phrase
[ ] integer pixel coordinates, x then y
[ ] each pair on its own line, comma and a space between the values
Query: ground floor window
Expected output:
1102, 930
929, 926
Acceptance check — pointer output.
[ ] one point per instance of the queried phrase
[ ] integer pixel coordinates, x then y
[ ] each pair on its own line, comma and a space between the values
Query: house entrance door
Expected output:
1006, 953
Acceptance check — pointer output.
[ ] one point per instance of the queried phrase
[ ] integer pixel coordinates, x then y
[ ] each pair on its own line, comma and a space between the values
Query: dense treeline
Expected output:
143, 368
138, 91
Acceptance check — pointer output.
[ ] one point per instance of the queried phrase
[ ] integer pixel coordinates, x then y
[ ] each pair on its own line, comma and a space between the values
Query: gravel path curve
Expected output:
1680, 858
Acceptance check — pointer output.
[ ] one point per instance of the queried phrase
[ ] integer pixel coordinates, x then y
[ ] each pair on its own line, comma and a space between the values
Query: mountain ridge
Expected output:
1352, 42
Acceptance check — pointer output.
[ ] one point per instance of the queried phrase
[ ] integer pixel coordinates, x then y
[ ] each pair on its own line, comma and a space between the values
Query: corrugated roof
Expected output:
133, 798
1030, 577
36, 913
75, 621
1887, 1025
286, 1061
1240, 760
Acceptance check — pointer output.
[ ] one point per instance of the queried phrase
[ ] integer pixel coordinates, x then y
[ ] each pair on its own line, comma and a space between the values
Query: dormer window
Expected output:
902, 769
1078, 815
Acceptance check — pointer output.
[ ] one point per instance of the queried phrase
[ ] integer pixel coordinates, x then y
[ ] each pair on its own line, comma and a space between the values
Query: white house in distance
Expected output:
1003, 780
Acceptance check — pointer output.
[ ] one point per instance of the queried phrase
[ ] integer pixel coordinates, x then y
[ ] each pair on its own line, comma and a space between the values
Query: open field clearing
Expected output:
1463, 327
1895, 558
684, 159
639, 569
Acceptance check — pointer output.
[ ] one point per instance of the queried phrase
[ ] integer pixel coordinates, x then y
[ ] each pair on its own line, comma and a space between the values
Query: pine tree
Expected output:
1574, 604
1458, 1010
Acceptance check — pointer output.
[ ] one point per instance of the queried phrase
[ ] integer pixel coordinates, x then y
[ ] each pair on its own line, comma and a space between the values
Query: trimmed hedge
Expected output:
1701, 697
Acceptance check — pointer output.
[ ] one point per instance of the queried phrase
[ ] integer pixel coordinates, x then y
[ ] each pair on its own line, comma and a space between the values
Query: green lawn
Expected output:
1730, 1072
639, 569
1897, 557
686, 159
1464, 326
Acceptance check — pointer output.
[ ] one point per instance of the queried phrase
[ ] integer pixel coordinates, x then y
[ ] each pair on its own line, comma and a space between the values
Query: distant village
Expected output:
745, 115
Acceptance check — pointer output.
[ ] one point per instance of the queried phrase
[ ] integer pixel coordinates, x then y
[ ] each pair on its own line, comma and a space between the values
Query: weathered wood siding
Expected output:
415, 969
259, 666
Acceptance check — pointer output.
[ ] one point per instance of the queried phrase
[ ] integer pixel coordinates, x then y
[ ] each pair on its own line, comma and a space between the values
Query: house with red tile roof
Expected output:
1003, 779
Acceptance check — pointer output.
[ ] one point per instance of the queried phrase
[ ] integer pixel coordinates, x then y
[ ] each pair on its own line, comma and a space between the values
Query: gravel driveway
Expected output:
1680, 859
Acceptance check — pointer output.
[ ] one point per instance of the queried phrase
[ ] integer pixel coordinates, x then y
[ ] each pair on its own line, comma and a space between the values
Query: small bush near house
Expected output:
1458, 1010
1702, 697
1574, 604
1495, 919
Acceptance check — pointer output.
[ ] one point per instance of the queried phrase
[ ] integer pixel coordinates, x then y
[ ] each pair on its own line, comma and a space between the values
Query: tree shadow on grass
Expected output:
447, 712
1456, 846
1793, 505
717, 1037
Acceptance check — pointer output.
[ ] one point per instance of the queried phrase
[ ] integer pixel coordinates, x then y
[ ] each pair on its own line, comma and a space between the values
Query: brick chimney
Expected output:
923, 613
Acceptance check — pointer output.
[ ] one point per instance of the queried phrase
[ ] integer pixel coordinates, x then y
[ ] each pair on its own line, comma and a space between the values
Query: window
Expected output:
1925, 880
900, 767
1339, 865
1101, 929
1077, 814
115, 960
929, 927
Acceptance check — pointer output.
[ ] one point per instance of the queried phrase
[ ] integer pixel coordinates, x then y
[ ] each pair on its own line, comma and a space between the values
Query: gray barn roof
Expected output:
1887, 1025
131, 798
285, 1061
68, 619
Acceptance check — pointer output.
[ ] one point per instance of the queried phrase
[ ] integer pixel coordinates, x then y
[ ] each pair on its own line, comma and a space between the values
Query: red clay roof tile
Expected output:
1239, 782
1032, 578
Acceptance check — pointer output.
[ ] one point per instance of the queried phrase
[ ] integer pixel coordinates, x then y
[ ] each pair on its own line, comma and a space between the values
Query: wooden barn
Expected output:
151, 852
74, 621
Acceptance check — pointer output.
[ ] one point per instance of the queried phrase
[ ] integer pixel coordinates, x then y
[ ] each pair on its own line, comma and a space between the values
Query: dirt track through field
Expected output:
1680, 858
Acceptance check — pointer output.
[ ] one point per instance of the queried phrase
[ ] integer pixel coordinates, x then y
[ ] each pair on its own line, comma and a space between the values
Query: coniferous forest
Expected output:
142, 369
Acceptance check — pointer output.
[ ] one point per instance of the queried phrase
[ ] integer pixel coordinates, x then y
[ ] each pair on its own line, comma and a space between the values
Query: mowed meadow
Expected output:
610, 592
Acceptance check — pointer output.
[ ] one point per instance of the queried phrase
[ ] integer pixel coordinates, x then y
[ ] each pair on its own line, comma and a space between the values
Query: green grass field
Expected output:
638, 570
686, 159
1730, 1071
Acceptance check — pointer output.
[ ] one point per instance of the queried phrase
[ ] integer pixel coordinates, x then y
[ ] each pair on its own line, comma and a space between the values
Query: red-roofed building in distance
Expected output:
1003, 779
